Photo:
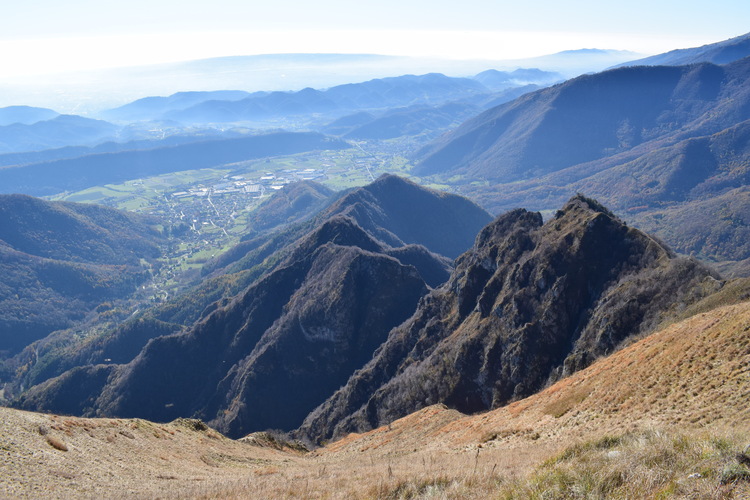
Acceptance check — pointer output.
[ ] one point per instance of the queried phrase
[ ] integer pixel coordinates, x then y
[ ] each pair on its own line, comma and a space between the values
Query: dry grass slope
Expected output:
664, 418
50, 456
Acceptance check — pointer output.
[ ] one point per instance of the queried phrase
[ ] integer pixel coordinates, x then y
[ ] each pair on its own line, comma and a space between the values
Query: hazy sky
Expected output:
38, 36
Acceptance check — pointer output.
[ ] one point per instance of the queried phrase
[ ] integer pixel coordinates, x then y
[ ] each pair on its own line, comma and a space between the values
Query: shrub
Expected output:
56, 443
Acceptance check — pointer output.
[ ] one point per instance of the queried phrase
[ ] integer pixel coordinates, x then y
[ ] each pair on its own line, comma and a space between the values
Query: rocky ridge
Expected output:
531, 302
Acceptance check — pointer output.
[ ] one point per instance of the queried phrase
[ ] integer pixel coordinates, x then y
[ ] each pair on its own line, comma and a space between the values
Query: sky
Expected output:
49, 36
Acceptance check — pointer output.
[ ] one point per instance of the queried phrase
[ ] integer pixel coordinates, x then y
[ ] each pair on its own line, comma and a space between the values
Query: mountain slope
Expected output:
397, 212
25, 115
62, 130
666, 414
689, 375
60, 260
646, 141
530, 303
592, 117
678, 395
112, 457
722, 52
299, 332
393, 210
412, 121
292, 203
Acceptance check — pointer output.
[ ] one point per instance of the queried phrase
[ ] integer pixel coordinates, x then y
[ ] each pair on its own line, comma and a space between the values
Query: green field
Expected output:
340, 169
217, 221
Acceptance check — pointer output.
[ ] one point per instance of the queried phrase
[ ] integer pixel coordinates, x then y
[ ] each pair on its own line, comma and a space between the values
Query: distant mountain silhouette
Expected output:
68, 152
63, 130
218, 107
93, 170
501, 80
26, 115
722, 52
572, 63
150, 108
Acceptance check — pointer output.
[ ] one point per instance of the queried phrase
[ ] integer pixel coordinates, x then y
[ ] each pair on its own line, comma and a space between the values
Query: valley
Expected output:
208, 209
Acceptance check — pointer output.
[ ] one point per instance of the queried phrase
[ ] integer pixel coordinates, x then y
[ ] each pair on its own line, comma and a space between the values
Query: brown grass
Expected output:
643, 464
650, 464
56, 443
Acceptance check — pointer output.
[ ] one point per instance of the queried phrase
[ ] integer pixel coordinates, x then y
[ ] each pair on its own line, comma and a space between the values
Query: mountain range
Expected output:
25, 115
502, 80
344, 300
151, 108
590, 118
373, 94
316, 315
82, 92
62, 130
647, 141
531, 302
418, 107
655, 406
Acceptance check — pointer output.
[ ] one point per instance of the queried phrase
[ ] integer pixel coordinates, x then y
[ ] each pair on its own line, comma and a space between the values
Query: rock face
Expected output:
529, 303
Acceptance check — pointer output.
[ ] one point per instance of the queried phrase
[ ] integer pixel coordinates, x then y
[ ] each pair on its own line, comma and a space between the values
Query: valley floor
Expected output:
666, 417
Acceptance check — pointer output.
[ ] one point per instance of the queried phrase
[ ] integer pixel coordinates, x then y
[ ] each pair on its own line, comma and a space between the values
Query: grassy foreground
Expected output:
647, 464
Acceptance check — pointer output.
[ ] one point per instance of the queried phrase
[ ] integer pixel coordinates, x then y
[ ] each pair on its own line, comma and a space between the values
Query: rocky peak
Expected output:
530, 302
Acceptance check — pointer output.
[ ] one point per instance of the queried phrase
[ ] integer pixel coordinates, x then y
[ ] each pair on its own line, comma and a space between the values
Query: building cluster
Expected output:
256, 188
